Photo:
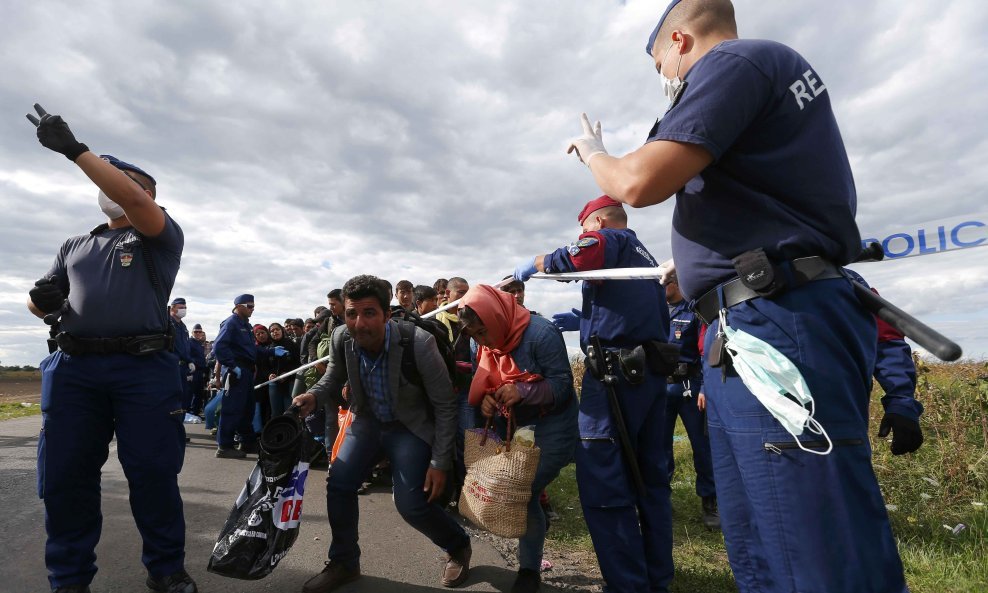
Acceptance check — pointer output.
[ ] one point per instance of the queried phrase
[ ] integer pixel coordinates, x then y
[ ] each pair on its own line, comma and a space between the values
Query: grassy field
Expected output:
930, 493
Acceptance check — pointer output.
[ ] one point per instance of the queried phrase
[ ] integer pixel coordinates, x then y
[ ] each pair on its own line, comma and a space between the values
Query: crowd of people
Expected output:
755, 339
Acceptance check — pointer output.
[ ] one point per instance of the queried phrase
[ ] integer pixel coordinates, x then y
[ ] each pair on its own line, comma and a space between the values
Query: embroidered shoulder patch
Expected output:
587, 242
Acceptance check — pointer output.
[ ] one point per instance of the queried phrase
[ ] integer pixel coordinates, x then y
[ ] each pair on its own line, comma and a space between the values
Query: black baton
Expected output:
609, 379
933, 341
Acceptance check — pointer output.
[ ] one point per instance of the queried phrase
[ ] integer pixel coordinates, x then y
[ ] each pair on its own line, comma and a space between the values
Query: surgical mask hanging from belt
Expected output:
770, 376
774, 381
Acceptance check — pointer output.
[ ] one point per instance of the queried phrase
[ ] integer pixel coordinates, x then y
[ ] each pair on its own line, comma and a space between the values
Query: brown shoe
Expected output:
331, 577
457, 567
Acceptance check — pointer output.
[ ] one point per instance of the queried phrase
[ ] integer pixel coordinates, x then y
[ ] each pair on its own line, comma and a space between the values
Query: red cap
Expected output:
595, 205
259, 326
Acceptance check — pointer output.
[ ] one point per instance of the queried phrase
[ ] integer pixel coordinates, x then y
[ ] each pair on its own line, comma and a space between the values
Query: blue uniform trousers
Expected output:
794, 521
85, 400
188, 393
237, 411
410, 458
632, 535
693, 420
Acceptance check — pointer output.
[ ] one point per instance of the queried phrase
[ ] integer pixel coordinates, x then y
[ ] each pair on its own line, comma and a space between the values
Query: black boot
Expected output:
711, 516
527, 581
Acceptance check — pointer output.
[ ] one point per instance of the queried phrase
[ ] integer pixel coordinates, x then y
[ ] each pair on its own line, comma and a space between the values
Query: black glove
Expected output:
906, 434
47, 296
54, 134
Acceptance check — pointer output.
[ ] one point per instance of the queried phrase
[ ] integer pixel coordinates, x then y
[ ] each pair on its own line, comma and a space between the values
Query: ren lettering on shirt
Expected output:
803, 87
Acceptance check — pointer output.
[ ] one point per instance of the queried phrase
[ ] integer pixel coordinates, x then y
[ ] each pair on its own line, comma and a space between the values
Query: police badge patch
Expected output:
126, 258
587, 242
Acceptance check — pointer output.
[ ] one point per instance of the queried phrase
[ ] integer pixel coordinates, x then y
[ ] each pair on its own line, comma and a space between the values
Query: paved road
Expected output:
395, 557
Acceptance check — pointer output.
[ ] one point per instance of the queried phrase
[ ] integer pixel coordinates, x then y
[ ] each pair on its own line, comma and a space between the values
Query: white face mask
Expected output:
180, 313
109, 207
769, 375
671, 86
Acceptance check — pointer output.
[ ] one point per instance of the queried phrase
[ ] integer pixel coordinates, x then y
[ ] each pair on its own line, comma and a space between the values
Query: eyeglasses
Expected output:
250, 306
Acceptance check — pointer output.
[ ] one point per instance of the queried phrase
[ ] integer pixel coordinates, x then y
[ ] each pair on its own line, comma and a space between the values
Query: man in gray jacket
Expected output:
412, 419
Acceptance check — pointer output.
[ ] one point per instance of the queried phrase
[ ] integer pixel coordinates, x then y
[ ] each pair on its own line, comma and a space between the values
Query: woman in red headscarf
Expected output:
523, 370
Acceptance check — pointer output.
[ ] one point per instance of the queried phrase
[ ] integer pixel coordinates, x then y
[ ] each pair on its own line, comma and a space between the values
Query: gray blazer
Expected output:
431, 416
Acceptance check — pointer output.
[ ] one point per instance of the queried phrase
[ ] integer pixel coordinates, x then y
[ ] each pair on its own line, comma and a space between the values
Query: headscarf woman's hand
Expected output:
508, 395
488, 407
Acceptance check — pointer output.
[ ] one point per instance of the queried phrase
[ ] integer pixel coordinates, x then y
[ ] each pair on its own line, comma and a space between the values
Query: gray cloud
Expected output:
299, 147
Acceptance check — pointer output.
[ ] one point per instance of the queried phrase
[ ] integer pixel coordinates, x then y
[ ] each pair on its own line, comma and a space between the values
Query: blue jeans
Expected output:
410, 458
280, 396
212, 417
557, 436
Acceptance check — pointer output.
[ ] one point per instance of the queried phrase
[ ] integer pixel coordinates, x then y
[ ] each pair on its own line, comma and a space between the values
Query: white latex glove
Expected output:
590, 144
668, 269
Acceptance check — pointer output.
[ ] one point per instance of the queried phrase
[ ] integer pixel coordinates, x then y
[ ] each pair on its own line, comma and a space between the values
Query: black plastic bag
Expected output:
264, 521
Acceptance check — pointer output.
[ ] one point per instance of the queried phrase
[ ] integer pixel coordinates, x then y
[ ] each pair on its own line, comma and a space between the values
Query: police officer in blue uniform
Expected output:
197, 359
113, 373
183, 349
631, 529
238, 353
763, 220
684, 385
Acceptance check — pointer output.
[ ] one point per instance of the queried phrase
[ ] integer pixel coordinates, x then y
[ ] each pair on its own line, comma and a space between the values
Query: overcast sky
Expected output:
299, 144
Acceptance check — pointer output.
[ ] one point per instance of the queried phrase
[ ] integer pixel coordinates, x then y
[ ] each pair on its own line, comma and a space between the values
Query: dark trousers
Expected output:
410, 458
694, 421
237, 411
85, 400
794, 521
631, 533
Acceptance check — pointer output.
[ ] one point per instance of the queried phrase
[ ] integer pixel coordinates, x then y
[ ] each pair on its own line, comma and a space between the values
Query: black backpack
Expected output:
407, 327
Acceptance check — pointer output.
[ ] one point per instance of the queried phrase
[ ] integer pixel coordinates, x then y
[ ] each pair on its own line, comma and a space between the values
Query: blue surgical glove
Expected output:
236, 371
567, 322
280, 351
525, 270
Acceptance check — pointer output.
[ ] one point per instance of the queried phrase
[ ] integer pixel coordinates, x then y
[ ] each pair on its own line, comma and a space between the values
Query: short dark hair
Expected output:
319, 310
335, 294
309, 320
703, 16
404, 285
364, 286
423, 292
440, 282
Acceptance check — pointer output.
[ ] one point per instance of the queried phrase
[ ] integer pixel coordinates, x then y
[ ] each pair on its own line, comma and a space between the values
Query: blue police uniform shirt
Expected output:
181, 334
684, 330
110, 293
197, 354
623, 313
234, 345
780, 179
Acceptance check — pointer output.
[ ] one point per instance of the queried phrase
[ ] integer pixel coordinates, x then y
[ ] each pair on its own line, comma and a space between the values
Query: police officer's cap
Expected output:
178, 301
655, 32
595, 205
243, 299
126, 166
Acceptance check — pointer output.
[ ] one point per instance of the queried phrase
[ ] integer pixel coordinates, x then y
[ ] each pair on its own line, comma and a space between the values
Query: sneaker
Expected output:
332, 576
527, 581
72, 589
711, 516
230, 453
179, 582
213, 431
457, 567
